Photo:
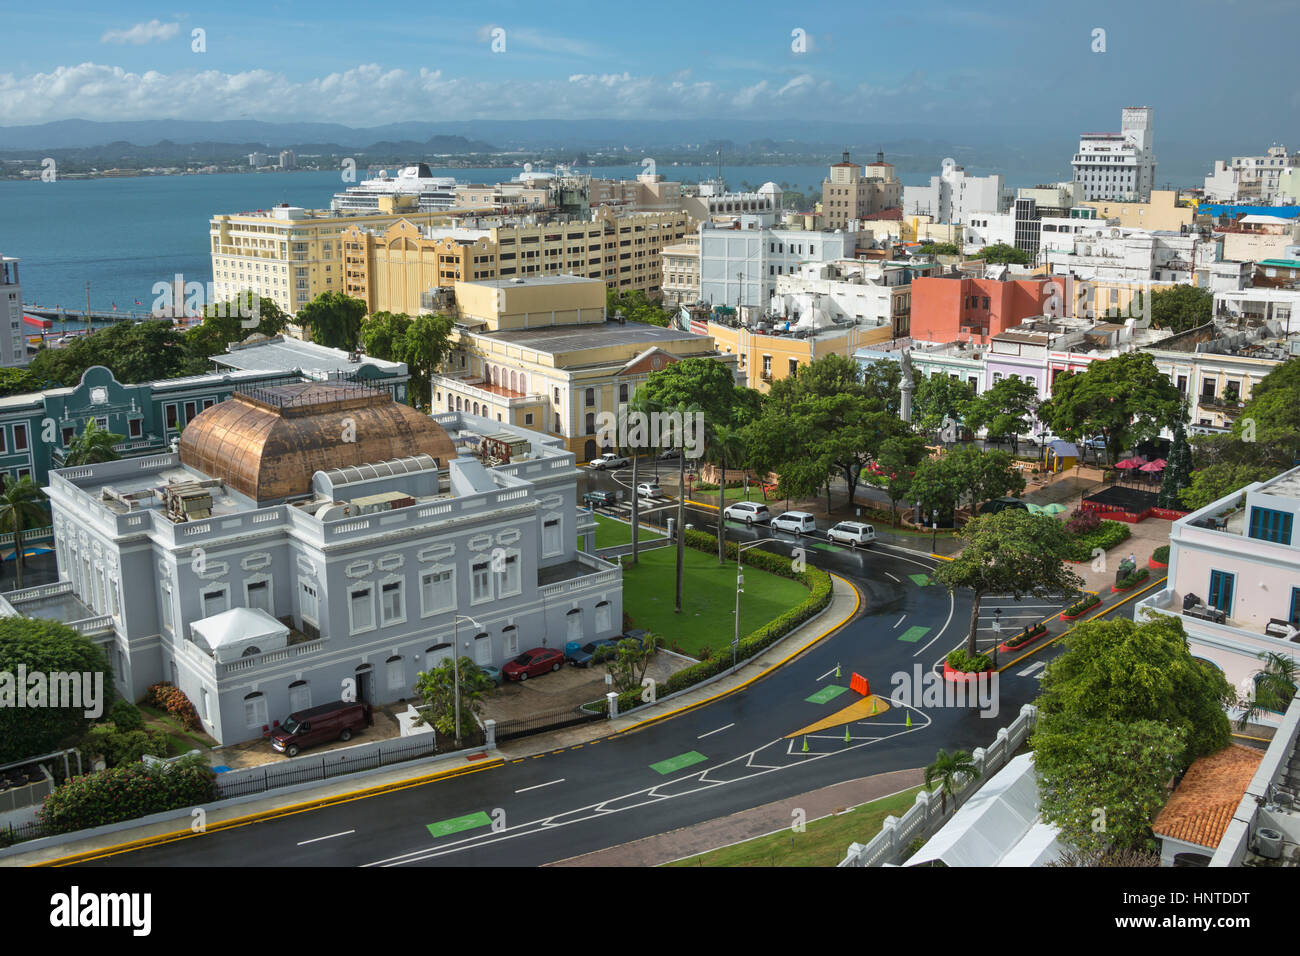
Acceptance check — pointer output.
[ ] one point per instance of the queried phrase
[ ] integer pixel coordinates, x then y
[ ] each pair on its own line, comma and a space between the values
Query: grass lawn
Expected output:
710, 496
708, 598
823, 843
611, 532
182, 741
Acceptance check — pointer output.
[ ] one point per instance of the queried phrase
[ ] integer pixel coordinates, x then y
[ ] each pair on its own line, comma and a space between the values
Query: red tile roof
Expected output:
1203, 804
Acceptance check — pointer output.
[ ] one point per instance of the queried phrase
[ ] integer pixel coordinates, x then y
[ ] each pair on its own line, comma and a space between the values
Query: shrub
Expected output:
1078, 607
126, 716
167, 696
959, 661
706, 653
1133, 578
1027, 635
628, 623
120, 747
1082, 522
1161, 554
1108, 535
127, 792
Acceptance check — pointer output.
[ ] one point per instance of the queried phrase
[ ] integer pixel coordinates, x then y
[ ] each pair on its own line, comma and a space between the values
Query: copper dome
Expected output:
268, 442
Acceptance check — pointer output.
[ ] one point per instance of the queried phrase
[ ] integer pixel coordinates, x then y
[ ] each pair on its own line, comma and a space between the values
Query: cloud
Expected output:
142, 33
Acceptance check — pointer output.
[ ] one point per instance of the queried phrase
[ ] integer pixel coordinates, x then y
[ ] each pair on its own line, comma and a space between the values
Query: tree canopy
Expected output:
1004, 410
423, 343
939, 397
133, 352
1181, 308
1001, 253
334, 319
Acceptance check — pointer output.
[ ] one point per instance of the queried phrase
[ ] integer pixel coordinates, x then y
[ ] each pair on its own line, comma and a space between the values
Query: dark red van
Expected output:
318, 725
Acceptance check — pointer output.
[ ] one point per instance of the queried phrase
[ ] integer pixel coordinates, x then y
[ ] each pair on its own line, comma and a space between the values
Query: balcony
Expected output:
580, 574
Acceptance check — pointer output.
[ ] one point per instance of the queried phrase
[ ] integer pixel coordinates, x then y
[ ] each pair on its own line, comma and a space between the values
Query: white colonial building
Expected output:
1118, 165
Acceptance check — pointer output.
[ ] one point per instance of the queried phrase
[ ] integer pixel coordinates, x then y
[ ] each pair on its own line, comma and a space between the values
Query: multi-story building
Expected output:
968, 309
739, 266
392, 270
954, 195
287, 160
872, 294
258, 159
13, 343
1161, 213
1139, 255
1118, 165
1234, 578
852, 192
1251, 178
272, 561
37, 428
769, 351
681, 272
711, 202
539, 353
1258, 237
290, 255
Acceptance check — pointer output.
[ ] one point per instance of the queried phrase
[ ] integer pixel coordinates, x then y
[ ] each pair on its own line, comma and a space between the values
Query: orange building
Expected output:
956, 309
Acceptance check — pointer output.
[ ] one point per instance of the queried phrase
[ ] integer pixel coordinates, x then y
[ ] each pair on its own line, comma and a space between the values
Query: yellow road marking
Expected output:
858, 710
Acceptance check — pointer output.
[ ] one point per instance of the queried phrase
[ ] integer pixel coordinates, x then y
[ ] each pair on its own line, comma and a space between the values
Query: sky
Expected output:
1215, 71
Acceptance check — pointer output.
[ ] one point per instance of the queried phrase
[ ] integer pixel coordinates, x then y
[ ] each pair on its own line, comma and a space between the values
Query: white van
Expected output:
800, 522
853, 533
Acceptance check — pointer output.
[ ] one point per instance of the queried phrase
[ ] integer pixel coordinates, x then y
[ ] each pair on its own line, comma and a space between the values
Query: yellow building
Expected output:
538, 352
391, 269
290, 255
766, 358
1162, 212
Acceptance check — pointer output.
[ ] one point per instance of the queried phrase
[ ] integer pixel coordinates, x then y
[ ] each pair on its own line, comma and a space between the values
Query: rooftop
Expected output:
571, 338
1203, 803
281, 353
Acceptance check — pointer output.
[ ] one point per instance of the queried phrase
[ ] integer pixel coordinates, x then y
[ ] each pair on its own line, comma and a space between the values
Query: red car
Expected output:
539, 660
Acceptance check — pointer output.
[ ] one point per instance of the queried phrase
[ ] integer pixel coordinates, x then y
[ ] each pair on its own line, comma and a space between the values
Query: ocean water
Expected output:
124, 235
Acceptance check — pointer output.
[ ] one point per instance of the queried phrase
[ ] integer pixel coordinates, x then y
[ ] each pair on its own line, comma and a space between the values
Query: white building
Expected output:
287, 160
1250, 178
257, 159
1118, 165
954, 195
1136, 254
740, 266
867, 293
13, 346
712, 201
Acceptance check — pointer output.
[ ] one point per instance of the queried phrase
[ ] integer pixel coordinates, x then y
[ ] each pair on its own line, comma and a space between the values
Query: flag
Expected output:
138, 302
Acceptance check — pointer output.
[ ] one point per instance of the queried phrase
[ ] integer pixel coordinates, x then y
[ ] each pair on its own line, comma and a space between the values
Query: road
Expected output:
733, 754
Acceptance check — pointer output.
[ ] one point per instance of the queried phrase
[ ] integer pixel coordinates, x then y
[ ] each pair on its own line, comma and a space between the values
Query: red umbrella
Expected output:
1156, 465
1128, 463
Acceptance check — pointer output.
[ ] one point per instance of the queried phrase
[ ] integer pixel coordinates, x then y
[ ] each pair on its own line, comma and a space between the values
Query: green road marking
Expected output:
824, 545
827, 693
457, 824
673, 764
921, 580
913, 634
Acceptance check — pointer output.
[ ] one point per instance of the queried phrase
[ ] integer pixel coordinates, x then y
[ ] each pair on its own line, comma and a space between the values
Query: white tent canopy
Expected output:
231, 634
998, 826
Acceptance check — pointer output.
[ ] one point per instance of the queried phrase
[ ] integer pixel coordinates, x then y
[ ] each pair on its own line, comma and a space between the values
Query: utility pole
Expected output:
681, 511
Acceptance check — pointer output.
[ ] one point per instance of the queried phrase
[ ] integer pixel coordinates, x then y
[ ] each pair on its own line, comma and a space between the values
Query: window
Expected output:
482, 649
437, 591
622, 393
20, 437
392, 605
258, 594
551, 537
574, 621
602, 616
508, 576
528, 418
589, 397
190, 411
167, 619
794, 366
214, 601
1221, 583
361, 608
170, 412
1295, 607
1269, 525
134, 428
299, 696
255, 711
510, 637
69, 433
308, 606
480, 582
396, 673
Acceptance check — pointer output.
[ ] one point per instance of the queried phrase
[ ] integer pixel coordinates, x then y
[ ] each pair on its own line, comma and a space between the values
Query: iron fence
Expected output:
11, 834
540, 723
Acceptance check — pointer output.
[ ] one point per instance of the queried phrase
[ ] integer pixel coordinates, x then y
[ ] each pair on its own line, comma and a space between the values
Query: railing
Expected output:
927, 815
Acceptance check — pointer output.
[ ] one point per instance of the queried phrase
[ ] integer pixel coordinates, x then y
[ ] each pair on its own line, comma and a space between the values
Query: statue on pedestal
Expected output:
907, 387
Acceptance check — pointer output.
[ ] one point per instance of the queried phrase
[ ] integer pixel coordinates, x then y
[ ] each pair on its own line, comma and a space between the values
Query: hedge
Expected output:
166, 696
1027, 635
126, 793
1078, 607
817, 581
1108, 535
1161, 554
959, 661
1135, 578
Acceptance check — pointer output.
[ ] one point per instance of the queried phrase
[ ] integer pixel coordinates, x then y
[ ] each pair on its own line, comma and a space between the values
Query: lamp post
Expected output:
917, 517
740, 589
997, 632
455, 664
934, 530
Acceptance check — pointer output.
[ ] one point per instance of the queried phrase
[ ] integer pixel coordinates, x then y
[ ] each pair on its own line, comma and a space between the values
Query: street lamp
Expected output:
740, 589
455, 663
917, 516
934, 527
997, 631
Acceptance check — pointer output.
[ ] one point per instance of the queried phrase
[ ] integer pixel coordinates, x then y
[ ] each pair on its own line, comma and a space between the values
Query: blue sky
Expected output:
1209, 69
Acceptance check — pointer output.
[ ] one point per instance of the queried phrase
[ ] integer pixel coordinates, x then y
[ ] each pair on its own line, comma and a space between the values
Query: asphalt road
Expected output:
558, 805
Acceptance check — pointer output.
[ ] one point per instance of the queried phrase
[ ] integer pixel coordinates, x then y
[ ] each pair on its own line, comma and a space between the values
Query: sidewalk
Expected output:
748, 824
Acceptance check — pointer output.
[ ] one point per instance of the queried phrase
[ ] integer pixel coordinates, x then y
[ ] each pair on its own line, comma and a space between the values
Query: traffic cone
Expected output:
909, 718
837, 671
847, 738
805, 743
874, 704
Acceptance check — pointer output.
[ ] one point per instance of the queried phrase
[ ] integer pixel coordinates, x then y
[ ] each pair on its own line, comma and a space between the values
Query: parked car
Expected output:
532, 662
669, 454
582, 655
649, 489
852, 533
750, 512
610, 460
600, 499
800, 522
492, 673
318, 725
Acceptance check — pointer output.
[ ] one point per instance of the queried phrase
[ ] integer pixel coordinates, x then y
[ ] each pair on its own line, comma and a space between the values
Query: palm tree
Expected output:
21, 507
93, 445
1275, 685
726, 444
950, 770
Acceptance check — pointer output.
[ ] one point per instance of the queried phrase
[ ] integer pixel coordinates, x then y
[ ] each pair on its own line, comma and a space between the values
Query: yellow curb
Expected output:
1248, 737
858, 710
286, 811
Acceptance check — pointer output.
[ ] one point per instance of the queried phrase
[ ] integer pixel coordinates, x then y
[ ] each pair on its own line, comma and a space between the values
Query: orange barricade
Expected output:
859, 683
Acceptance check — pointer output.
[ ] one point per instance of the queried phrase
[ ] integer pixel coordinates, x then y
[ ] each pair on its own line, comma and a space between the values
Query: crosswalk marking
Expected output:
1029, 671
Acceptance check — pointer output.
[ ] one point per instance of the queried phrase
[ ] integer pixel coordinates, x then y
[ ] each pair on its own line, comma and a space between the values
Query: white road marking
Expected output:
539, 786
718, 731
330, 837
900, 621
823, 677
1031, 668
891, 577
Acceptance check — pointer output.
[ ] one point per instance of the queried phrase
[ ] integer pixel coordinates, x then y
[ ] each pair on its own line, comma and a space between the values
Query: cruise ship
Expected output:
435, 192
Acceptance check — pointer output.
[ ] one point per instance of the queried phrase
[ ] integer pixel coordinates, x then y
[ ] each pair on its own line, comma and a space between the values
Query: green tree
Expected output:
939, 249
1273, 688
629, 660
1213, 482
46, 647
1011, 552
1181, 308
133, 351
22, 506
334, 319
1129, 671
937, 398
1004, 410
895, 467
1126, 399
937, 486
951, 771
437, 687
1002, 254
725, 444
1121, 768
1178, 470
18, 381
423, 343
882, 381
93, 445
984, 475
233, 321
